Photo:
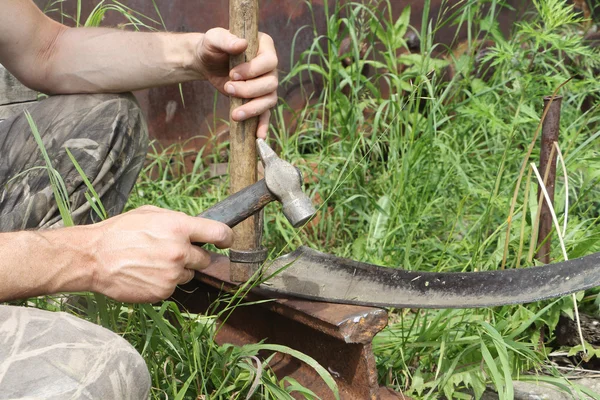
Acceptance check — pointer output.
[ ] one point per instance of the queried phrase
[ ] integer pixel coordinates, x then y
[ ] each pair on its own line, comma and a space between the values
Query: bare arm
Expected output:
139, 256
39, 263
52, 58
92, 60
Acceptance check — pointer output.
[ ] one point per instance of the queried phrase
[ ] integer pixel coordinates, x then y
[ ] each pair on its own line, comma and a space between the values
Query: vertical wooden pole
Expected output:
243, 22
550, 130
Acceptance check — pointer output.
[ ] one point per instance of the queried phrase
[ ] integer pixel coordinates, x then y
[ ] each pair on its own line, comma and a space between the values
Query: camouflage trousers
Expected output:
106, 135
45, 355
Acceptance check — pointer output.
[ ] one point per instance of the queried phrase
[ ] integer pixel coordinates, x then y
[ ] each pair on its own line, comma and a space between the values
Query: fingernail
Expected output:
230, 89
237, 77
234, 42
241, 115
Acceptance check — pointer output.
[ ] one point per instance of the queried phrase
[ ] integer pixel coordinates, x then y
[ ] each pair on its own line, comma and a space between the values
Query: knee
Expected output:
110, 119
112, 367
125, 106
71, 359
121, 115
126, 374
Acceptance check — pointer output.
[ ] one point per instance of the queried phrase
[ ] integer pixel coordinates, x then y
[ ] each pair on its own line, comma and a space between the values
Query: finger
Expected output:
197, 258
186, 276
207, 231
221, 40
253, 88
263, 125
264, 62
255, 107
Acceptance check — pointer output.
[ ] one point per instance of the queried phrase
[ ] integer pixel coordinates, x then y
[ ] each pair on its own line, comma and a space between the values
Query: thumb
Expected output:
220, 40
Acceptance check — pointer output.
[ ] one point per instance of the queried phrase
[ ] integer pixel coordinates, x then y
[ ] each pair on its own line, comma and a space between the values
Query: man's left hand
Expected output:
256, 79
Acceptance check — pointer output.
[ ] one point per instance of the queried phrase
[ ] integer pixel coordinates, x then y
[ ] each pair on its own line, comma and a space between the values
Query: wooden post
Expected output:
243, 22
550, 130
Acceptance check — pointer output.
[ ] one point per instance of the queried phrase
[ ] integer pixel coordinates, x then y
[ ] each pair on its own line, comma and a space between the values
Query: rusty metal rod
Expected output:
550, 131
243, 22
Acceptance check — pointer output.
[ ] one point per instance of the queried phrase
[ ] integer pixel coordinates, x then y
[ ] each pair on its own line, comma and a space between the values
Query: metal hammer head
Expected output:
285, 182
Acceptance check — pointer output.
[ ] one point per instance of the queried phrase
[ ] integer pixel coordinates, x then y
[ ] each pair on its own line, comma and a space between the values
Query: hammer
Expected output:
282, 182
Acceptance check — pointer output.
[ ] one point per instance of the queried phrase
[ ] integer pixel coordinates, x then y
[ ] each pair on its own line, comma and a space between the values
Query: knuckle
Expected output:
273, 99
177, 221
166, 292
190, 275
268, 38
273, 81
171, 277
176, 254
180, 217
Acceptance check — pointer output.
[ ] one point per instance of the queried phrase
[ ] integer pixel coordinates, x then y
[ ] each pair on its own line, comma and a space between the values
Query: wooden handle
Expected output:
243, 22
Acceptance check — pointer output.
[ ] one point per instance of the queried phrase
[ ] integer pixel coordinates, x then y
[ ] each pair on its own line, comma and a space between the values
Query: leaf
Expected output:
359, 248
501, 349
183, 391
496, 377
378, 226
323, 373
402, 23
94, 200
59, 190
162, 326
293, 386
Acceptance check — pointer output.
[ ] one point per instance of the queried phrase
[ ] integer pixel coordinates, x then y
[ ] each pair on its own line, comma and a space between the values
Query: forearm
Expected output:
84, 60
34, 263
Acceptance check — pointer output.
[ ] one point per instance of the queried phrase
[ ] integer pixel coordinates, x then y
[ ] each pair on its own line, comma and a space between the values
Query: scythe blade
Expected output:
307, 273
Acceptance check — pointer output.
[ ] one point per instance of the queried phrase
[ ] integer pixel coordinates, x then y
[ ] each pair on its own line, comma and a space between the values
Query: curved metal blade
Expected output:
310, 274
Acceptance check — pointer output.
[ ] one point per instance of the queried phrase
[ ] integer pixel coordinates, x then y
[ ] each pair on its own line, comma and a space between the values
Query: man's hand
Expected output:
138, 257
256, 80
142, 255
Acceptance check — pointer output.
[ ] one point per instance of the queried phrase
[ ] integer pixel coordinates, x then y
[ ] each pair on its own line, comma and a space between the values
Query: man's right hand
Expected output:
142, 255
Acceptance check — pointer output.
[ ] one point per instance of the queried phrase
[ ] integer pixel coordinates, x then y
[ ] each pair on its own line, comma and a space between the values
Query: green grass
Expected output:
423, 179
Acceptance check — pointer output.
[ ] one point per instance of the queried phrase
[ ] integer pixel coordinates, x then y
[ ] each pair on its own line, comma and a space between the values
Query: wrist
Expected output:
190, 58
73, 256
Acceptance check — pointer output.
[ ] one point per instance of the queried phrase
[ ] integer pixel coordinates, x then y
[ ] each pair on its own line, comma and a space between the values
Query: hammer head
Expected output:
285, 183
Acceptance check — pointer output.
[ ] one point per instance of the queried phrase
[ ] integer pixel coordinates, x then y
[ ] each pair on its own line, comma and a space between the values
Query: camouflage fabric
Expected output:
45, 355
105, 133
